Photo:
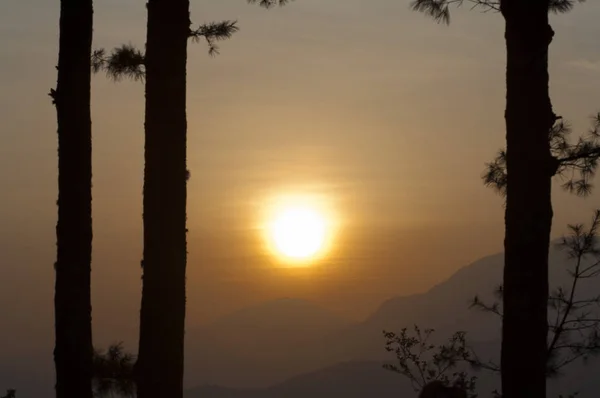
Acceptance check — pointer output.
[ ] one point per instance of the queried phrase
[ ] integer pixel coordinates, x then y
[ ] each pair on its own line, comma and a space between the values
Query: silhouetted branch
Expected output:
129, 62
422, 362
573, 334
213, 32
125, 61
575, 330
113, 372
576, 162
439, 10
269, 3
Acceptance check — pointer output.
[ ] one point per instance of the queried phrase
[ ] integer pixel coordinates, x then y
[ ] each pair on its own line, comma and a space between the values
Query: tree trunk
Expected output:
72, 301
528, 217
159, 370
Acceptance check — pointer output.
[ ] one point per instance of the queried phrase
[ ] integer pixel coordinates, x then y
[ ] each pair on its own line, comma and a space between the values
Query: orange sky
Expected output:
375, 107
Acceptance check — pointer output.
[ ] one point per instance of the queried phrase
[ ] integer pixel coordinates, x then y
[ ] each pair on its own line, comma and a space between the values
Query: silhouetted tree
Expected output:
113, 372
574, 328
161, 346
574, 332
529, 167
437, 389
159, 368
10, 394
72, 301
423, 362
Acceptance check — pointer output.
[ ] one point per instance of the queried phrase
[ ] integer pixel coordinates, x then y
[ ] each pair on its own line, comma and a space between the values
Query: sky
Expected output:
385, 115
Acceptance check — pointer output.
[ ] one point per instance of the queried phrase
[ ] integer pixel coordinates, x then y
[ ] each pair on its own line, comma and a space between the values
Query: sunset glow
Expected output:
298, 229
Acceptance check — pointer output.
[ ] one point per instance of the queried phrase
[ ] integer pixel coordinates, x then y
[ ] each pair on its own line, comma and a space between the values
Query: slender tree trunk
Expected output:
528, 217
159, 371
72, 302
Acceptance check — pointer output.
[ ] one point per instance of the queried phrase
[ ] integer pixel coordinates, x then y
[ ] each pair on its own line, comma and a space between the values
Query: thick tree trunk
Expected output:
159, 371
72, 302
528, 217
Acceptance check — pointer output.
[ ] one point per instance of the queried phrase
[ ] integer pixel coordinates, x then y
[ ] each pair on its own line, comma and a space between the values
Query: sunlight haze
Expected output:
382, 115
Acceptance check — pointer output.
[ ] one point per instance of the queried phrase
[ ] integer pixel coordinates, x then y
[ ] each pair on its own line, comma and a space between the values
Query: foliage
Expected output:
10, 394
575, 162
421, 361
113, 372
439, 10
129, 62
125, 61
574, 332
213, 32
269, 3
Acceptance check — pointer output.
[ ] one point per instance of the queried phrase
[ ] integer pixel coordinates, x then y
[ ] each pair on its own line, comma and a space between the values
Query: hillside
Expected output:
444, 307
297, 347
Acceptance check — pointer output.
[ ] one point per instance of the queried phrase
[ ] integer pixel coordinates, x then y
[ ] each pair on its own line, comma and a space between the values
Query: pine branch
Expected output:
123, 62
439, 10
575, 163
113, 372
575, 330
269, 3
129, 62
214, 32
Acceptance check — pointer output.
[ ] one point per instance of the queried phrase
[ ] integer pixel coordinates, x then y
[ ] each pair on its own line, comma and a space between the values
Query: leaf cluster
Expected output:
113, 372
576, 161
269, 3
574, 330
128, 62
439, 10
422, 361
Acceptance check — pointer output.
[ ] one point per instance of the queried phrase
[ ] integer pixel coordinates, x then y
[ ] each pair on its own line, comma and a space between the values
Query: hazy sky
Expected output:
374, 107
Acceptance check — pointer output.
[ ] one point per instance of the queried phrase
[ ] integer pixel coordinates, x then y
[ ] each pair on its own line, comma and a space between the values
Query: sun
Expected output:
298, 230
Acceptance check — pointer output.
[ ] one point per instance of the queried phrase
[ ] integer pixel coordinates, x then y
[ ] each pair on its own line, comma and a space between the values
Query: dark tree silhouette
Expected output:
426, 364
72, 301
574, 329
437, 389
10, 394
159, 368
574, 320
113, 372
529, 169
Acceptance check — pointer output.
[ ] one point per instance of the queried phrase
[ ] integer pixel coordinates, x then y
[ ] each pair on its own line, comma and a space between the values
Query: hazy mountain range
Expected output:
295, 349
336, 357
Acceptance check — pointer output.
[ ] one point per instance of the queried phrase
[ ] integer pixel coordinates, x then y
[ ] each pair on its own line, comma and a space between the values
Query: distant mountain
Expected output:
257, 341
361, 379
358, 379
263, 361
348, 380
299, 320
297, 349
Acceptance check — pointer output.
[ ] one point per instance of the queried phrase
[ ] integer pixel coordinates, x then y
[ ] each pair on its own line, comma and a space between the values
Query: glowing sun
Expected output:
298, 232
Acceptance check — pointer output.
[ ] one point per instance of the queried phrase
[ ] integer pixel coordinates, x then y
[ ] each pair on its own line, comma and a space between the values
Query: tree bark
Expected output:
528, 217
72, 301
159, 370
